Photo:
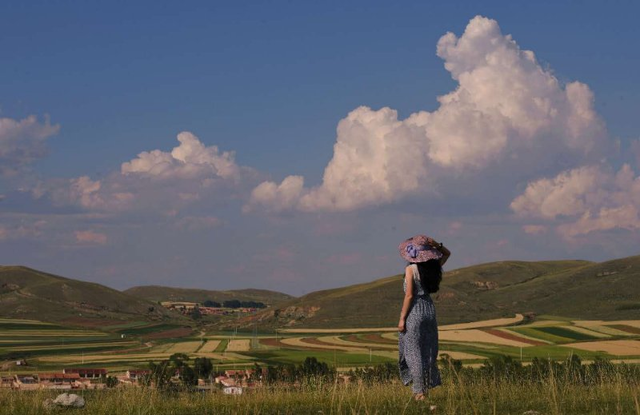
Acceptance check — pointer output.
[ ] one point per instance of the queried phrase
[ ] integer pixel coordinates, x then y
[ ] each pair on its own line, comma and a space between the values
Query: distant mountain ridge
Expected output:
26, 293
574, 289
160, 293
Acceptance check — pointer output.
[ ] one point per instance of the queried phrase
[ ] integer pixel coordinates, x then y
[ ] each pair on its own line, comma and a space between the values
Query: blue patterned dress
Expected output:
418, 345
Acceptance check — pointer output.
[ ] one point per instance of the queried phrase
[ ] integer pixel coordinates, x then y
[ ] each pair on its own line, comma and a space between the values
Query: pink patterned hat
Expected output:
417, 249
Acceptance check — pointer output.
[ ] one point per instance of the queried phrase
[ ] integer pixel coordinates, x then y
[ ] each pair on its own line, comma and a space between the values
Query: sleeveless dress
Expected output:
418, 345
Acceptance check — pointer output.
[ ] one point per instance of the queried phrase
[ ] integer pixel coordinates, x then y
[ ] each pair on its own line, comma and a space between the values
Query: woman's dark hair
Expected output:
430, 275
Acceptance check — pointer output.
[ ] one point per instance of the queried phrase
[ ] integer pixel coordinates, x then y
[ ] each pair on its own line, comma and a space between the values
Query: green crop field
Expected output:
57, 346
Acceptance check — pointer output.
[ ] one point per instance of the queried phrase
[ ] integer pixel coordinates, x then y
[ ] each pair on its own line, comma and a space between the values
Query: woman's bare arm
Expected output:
408, 297
445, 254
443, 250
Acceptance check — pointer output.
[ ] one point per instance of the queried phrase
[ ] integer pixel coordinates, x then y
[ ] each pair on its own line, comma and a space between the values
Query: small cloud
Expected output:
22, 142
91, 237
454, 227
534, 229
24, 229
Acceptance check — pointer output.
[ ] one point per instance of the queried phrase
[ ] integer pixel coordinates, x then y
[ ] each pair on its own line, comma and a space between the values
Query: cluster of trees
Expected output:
177, 374
311, 371
382, 373
234, 304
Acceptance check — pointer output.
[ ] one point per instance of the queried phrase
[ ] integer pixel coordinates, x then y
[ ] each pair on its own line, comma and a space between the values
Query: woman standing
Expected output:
418, 337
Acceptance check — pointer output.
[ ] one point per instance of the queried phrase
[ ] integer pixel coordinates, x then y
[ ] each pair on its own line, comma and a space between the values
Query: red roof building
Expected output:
87, 373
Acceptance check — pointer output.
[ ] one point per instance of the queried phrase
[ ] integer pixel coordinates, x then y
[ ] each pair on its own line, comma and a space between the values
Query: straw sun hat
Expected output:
417, 249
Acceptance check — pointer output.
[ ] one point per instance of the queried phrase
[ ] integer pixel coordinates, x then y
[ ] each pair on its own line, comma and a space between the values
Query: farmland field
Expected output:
52, 347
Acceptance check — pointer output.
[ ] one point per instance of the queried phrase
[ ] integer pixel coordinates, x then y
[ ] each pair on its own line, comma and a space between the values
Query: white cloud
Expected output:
22, 142
507, 111
21, 229
155, 180
585, 199
191, 159
91, 237
534, 229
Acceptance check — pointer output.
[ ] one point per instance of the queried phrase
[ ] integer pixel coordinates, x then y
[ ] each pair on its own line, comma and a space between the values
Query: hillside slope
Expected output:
158, 293
606, 290
29, 294
577, 289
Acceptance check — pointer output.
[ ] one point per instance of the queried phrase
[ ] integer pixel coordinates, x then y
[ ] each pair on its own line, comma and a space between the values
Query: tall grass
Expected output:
554, 395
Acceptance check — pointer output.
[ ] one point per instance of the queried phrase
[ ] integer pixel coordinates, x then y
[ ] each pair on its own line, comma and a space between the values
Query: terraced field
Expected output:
51, 347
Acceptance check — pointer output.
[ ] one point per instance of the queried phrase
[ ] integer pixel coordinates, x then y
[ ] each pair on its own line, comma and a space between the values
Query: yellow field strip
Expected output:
478, 336
209, 346
297, 341
184, 347
603, 329
613, 347
161, 348
498, 322
341, 342
241, 345
587, 323
547, 323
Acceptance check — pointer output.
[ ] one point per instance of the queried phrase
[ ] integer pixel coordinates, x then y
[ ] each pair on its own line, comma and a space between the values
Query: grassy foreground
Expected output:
484, 397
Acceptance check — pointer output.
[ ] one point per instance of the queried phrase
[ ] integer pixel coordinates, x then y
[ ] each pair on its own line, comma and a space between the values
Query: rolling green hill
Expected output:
576, 289
158, 293
29, 294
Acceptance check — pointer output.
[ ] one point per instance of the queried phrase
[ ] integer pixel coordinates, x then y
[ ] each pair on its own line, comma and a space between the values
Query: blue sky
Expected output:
270, 82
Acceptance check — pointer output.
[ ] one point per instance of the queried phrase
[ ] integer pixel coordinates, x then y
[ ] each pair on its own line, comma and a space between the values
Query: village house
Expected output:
239, 374
7, 382
239, 378
87, 373
59, 380
134, 375
225, 381
26, 382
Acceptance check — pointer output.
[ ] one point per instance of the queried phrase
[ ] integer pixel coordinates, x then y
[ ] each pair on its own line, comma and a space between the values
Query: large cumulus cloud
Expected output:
507, 111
